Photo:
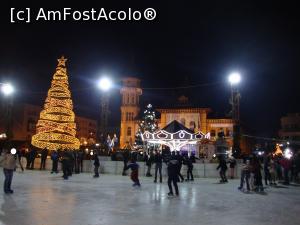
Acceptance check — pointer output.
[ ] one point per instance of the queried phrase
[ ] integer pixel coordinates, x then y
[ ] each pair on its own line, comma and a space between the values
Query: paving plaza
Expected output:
42, 198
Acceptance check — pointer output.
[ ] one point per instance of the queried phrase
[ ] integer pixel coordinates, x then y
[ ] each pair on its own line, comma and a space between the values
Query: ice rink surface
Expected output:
44, 199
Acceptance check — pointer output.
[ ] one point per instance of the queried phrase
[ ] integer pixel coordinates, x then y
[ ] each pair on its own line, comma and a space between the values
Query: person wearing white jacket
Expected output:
9, 162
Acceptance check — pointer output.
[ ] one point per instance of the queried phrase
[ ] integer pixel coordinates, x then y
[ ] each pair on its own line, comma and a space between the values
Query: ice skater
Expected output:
245, 175
256, 167
9, 163
54, 158
158, 165
232, 164
65, 161
173, 174
96, 165
134, 172
223, 167
44, 154
180, 162
189, 164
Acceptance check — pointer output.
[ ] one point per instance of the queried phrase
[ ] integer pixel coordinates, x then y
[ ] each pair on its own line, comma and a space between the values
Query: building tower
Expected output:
130, 109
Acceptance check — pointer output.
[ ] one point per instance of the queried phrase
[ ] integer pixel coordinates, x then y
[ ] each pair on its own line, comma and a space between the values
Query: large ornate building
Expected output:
130, 109
290, 127
196, 119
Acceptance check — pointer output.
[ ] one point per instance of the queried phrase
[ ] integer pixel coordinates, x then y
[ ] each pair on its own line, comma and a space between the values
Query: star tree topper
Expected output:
62, 61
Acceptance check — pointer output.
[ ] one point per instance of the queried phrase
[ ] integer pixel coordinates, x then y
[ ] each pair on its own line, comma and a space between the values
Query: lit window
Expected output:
128, 131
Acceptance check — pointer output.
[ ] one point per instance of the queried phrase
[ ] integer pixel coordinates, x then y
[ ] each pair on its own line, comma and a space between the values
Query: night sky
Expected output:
186, 44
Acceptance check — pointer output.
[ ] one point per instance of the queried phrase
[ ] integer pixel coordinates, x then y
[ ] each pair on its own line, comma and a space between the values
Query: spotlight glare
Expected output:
105, 84
288, 153
234, 78
7, 89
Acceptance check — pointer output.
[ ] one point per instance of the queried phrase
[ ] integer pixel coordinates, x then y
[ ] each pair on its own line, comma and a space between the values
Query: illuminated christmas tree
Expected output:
56, 128
148, 123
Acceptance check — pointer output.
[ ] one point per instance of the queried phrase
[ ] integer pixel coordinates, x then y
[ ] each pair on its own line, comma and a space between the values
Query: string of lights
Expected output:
56, 128
144, 88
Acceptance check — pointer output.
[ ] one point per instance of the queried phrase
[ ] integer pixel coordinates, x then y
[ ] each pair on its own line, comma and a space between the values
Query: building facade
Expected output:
290, 127
86, 130
131, 92
196, 119
25, 117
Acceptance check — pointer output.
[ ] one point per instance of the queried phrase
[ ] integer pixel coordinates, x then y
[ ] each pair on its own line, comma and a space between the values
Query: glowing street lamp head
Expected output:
288, 153
105, 84
234, 78
7, 89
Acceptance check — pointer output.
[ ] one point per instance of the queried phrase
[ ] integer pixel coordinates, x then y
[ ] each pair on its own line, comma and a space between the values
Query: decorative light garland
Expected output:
175, 141
58, 102
46, 123
60, 110
56, 128
53, 117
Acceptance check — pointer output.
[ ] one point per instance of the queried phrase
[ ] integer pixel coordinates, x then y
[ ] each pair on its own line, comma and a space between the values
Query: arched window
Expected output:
213, 133
128, 131
128, 99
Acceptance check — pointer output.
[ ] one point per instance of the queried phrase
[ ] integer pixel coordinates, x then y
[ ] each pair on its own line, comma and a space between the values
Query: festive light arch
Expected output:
174, 140
56, 128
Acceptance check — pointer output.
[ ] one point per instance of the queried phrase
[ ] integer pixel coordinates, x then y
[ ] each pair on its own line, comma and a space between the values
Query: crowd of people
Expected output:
253, 169
71, 160
174, 162
275, 168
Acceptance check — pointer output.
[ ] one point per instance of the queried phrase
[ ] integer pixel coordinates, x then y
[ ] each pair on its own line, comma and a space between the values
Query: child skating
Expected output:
134, 173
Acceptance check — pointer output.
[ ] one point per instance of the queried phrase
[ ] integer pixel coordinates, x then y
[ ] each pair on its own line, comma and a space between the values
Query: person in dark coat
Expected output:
96, 165
278, 168
80, 158
27, 156
71, 162
267, 174
125, 161
65, 161
180, 162
297, 166
148, 158
54, 158
173, 165
134, 172
256, 168
33, 154
76, 161
189, 163
44, 154
158, 165
232, 164
223, 167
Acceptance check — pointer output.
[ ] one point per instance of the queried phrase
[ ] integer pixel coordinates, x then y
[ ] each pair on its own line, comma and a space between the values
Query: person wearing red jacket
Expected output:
286, 165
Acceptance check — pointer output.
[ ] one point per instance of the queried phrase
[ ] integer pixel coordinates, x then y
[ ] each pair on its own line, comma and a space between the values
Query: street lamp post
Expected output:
104, 85
234, 80
7, 91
